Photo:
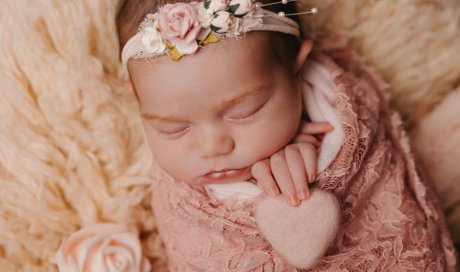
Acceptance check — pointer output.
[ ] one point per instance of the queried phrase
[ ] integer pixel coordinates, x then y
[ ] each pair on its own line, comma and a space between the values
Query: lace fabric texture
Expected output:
390, 217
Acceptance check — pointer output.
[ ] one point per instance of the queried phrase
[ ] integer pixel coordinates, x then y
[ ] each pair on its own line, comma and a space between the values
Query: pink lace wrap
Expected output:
390, 217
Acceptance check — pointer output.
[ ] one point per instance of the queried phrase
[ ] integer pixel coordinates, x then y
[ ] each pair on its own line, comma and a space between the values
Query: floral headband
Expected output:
181, 28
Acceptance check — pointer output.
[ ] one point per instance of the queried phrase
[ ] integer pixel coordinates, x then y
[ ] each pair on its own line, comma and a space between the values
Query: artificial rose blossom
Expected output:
180, 26
102, 247
205, 16
216, 5
152, 39
226, 22
244, 6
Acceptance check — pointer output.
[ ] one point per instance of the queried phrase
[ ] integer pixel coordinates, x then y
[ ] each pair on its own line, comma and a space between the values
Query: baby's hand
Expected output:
312, 132
291, 169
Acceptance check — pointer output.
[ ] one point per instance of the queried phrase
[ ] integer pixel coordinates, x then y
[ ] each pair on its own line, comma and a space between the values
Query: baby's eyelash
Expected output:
174, 132
246, 116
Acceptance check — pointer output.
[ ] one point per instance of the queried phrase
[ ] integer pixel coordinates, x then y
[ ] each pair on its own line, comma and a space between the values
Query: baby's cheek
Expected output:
167, 157
268, 139
287, 123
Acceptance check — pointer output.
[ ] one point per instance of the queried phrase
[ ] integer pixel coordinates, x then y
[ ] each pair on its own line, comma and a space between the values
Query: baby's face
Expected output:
209, 117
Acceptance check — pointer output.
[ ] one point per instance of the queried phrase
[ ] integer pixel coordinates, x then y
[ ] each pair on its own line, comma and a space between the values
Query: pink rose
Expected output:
180, 25
102, 247
224, 22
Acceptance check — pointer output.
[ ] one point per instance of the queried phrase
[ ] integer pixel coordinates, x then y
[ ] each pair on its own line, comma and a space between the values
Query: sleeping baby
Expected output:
242, 120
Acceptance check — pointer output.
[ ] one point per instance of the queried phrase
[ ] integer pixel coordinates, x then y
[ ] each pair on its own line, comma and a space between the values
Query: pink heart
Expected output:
300, 234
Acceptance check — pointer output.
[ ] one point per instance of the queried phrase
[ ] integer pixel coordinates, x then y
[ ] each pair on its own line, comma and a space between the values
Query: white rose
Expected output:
205, 16
216, 5
223, 22
152, 39
102, 247
244, 6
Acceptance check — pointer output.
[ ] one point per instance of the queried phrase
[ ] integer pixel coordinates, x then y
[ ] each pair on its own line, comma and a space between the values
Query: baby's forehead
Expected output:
252, 48
235, 67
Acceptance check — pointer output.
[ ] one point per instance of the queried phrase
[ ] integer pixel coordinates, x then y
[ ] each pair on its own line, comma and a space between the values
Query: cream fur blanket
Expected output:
71, 148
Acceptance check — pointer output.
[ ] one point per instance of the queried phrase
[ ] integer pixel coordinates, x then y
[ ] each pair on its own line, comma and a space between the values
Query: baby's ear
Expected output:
302, 54
129, 87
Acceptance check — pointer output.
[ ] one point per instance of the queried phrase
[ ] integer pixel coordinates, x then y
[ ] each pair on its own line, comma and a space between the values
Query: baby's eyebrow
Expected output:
235, 100
224, 104
152, 116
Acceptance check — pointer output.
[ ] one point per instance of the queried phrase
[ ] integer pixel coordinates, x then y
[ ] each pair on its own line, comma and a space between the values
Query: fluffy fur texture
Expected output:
437, 145
71, 148
413, 44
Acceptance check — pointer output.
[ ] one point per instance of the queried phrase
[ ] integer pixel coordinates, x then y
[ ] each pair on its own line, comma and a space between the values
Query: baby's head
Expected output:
211, 115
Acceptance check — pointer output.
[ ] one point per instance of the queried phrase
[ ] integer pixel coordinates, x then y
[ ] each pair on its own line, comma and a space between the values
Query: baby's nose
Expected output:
216, 143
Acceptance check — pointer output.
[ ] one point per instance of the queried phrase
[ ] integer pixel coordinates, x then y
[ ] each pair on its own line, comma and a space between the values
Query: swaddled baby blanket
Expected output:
390, 220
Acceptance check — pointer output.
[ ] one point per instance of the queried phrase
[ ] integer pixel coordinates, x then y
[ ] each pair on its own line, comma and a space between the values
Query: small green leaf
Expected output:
215, 28
233, 8
207, 4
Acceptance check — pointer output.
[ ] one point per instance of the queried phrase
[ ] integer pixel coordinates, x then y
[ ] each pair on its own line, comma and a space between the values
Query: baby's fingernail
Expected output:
304, 194
293, 200
273, 191
311, 178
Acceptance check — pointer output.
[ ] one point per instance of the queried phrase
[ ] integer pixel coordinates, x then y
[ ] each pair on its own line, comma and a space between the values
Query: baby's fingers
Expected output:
297, 169
306, 138
309, 156
315, 127
262, 173
280, 170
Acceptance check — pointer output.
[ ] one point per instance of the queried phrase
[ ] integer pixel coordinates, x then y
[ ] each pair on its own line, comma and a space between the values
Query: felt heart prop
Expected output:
301, 234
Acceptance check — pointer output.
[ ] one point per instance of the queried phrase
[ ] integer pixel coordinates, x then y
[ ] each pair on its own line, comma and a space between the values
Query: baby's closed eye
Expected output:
247, 109
245, 112
172, 129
